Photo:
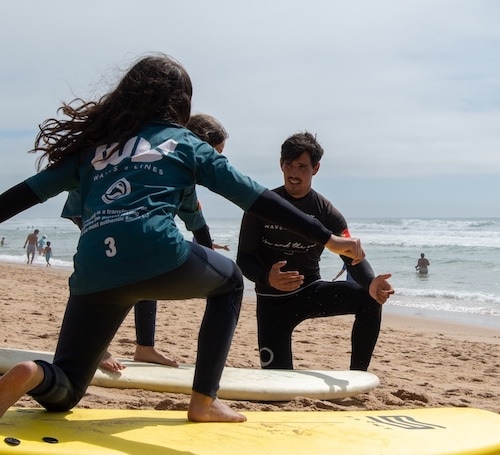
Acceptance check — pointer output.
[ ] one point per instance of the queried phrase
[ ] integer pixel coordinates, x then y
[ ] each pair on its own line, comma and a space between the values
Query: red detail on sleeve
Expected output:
345, 233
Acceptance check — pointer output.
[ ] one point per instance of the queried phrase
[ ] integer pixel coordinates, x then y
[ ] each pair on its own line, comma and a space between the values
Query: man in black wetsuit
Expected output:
285, 268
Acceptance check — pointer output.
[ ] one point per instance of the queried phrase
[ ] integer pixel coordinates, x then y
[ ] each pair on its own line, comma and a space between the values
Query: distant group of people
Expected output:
134, 164
33, 244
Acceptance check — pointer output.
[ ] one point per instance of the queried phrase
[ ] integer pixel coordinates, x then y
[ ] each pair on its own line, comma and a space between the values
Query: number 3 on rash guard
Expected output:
111, 251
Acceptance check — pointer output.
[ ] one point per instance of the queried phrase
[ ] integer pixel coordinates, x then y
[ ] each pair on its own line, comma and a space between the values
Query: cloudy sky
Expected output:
404, 96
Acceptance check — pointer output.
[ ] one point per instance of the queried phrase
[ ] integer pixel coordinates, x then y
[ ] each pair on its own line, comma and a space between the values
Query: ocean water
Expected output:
463, 284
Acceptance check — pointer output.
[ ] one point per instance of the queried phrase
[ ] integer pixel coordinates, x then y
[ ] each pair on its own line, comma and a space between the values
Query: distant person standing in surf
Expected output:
422, 265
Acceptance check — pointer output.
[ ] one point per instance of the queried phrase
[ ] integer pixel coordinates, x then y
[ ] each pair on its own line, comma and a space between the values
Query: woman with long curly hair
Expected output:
136, 167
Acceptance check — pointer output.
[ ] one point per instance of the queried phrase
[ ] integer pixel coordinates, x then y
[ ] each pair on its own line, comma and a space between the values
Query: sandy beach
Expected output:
420, 362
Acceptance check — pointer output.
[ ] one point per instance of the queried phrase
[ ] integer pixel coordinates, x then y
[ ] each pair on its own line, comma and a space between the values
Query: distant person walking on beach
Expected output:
41, 245
3, 241
48, 253
348, 276
32, 242
422, 265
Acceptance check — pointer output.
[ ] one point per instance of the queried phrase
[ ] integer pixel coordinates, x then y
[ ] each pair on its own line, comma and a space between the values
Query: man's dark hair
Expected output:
297, 144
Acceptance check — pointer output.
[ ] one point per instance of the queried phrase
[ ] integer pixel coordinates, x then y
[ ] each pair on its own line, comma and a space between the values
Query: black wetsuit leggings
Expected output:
277, 317
91, 321
145, 322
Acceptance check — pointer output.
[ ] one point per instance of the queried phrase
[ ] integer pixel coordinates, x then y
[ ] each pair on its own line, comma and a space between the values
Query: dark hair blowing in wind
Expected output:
155, 87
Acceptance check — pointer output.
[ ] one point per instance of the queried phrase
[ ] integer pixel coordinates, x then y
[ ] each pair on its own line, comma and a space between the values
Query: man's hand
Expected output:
380, 289
284, 281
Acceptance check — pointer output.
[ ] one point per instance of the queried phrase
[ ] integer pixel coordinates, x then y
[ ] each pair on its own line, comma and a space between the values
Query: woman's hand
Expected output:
346, 246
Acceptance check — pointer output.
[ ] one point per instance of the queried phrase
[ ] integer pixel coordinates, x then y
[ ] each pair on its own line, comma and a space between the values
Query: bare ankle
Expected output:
204, 408
150, 354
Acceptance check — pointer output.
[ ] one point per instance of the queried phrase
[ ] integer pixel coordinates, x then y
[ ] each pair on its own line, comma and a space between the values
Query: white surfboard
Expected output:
236, 383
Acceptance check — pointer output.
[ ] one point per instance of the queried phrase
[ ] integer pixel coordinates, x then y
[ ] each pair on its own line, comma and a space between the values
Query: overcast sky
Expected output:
404, 95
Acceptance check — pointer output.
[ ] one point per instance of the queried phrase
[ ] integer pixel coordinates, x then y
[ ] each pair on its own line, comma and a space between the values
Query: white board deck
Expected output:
236, 383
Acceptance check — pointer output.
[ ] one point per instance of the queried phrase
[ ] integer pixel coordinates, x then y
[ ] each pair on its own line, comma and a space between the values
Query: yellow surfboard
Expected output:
426, 431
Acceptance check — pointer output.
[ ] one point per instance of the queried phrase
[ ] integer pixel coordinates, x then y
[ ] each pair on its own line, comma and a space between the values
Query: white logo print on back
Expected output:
119, 189
138, 150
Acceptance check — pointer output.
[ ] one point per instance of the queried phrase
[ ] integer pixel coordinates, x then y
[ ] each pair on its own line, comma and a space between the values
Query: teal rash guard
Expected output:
129, 200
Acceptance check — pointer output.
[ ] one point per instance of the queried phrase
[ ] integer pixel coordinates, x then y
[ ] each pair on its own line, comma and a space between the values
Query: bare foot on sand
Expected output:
203, 408
109, 363
19, 380
149, 354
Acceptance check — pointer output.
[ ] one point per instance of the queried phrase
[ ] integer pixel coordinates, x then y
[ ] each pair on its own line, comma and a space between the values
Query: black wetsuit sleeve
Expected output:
203, 237
248, 246
16, 200
362, 273
272, 207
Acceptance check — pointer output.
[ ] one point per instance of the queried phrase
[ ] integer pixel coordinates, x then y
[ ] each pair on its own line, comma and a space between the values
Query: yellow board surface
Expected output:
107, 431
